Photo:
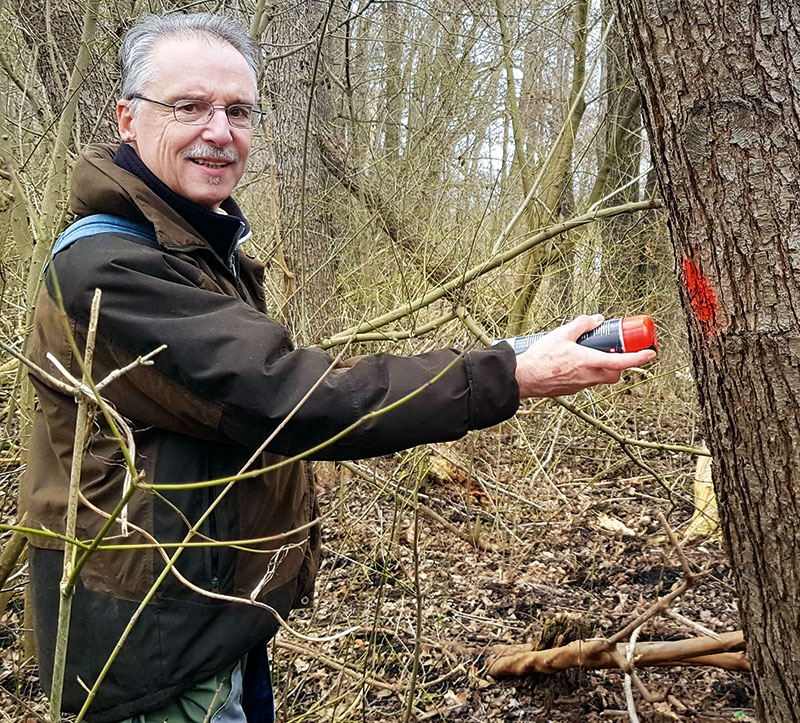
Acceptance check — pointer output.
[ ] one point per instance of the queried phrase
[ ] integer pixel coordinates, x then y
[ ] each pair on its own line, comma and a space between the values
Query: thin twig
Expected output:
412, 683
702, 629
473, 326
662, 604
621, 438
145, 360
648, 695
548, 457
687, 571
338, 665
401, 334
79, 442
634, 718
38, 371
494, 262
117, 422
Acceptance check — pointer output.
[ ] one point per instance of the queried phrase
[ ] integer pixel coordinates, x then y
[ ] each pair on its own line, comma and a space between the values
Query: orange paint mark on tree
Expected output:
702, 296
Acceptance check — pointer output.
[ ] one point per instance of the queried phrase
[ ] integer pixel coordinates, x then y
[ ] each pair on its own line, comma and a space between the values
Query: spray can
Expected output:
625, 334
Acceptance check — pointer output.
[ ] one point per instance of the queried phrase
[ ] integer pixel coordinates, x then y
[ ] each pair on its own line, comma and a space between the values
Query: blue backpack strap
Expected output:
104, 223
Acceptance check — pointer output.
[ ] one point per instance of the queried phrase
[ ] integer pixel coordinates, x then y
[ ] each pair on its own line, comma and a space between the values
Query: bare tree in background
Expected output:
298, 93
551, 180
720, 84
623, 264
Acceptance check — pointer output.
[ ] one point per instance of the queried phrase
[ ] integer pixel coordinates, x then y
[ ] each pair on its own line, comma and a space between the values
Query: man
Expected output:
229, 380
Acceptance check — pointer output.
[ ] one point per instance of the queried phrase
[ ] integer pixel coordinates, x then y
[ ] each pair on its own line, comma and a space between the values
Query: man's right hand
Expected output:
556, 365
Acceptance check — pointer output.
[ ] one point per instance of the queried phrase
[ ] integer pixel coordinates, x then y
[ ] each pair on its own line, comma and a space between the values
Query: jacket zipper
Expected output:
233, 261
231, 266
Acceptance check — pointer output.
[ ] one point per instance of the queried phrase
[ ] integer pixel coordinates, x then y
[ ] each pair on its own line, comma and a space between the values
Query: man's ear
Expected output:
125, 121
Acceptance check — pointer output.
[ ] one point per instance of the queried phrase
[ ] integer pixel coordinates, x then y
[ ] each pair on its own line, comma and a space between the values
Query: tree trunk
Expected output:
52, 32
295, 79
720, 84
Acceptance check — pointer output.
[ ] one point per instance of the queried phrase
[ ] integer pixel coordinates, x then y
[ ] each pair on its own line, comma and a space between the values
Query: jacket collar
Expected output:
114, 180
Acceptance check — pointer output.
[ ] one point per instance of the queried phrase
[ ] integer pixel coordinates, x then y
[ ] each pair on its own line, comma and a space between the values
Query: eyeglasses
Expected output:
198, 112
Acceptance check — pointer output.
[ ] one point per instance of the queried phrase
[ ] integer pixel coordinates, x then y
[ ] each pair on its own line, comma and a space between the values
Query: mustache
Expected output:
212, 153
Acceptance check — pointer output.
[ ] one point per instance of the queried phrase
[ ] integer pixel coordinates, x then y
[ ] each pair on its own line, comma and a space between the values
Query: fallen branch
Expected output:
723, 651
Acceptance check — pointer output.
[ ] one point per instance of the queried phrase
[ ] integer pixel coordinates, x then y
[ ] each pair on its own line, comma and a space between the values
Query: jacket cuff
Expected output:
494, 392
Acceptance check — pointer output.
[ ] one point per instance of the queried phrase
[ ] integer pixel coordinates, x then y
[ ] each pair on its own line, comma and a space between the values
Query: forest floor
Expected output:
556, 554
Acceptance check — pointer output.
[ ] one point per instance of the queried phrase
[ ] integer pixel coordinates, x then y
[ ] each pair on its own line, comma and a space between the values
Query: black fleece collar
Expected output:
221, 231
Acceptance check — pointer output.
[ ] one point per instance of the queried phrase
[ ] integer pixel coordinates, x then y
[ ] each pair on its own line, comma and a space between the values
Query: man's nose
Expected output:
217, 130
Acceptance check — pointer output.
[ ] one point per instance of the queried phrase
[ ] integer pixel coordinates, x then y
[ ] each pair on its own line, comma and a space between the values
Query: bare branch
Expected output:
597, 654
490, 264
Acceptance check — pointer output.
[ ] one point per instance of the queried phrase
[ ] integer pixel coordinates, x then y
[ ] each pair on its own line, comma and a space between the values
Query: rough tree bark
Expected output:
52, 32
295, 78
720, 82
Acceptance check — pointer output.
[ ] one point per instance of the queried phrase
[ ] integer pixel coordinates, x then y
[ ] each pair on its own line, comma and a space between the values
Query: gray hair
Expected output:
136, 56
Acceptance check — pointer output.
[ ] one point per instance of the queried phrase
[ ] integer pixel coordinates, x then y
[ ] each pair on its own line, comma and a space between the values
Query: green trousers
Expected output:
208, 702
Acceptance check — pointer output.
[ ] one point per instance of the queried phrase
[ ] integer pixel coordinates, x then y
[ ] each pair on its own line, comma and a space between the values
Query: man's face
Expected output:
200, 162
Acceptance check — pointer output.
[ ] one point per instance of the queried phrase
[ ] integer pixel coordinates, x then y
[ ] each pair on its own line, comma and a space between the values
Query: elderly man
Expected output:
166, 255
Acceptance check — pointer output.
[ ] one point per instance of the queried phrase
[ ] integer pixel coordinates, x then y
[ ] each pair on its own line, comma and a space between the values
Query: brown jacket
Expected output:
229, 376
